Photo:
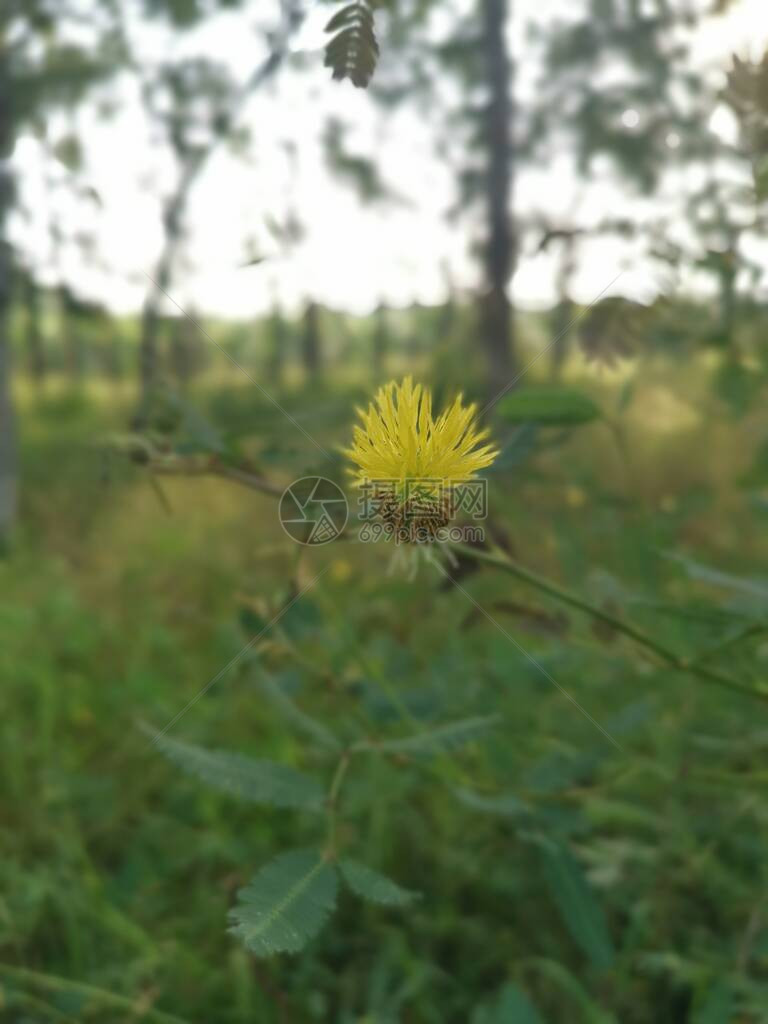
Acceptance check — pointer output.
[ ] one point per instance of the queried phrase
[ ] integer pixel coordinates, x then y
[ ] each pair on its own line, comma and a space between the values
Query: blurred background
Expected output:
223, 228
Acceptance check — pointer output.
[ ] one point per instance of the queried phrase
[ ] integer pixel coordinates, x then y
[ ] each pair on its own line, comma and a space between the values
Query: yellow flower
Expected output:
341, 570
399, 440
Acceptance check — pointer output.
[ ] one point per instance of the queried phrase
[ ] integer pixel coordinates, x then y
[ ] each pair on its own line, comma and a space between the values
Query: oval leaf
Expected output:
551, 406
512, 1006
370, 885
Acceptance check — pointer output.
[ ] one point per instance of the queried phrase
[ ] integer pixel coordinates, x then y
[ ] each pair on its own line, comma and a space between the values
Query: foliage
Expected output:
353, 50
262, 782
370, 885
555, 407
286, 904
528, 787
616, 885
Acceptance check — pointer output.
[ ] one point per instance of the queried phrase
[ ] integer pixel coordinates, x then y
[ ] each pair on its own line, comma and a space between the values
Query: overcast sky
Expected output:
353, 256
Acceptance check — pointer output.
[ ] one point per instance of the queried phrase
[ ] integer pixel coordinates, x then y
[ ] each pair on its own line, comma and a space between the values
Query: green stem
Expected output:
53, 983
751, 630
332, 801
546, 586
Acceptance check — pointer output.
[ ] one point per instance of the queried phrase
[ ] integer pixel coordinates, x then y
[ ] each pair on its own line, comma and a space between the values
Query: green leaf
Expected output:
559, 977
752, 587
717, 1005
550, 406
286, 903
306, 724
434, 741
263, 782
516, 449
504, 804
370, 885
512, 1006
576, 902
737, 386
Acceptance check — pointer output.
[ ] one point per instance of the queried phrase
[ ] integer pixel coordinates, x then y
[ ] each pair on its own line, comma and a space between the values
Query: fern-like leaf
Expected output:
353, 51
370, 885
434, 741
263, 782
316, 730
286, 903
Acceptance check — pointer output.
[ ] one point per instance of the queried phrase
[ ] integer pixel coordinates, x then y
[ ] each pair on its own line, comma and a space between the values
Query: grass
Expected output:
118, 607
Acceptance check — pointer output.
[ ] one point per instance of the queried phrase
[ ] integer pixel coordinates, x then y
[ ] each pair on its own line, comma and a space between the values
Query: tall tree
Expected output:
311, 343
7, 421
380, 340
8, 458
38, 71
474, 49
174, 97
36, 356
276, 331
500, 244
630, 108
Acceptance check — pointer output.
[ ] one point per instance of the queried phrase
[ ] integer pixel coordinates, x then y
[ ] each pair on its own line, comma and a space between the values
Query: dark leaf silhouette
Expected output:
353, 51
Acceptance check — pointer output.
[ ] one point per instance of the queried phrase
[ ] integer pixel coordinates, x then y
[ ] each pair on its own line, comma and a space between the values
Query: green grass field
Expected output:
561, 879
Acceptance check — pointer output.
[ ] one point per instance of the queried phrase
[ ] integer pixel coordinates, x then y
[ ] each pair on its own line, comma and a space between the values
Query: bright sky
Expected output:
353, 256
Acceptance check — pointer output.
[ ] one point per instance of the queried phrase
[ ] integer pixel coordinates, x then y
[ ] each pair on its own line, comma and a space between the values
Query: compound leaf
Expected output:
434, 741
370, 885
286, 903
304, 722
263, 782
353, 51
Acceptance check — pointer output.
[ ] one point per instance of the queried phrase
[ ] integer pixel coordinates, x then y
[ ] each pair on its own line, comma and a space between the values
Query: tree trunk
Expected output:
176, 208
380, 341
36, 362
562, 315
311, 343
277, 339
8, 461
72, 338
8, 458
497, 312
148, 355
149, 343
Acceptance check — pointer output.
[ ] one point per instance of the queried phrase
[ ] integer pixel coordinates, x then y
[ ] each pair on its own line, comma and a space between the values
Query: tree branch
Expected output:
212, 467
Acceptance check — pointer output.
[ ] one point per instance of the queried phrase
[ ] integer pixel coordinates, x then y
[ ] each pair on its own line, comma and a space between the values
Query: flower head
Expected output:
400, 440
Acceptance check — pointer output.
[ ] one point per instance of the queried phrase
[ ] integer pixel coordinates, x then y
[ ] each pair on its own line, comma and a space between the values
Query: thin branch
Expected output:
671, 658
179, 467
690, 666
332, 802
